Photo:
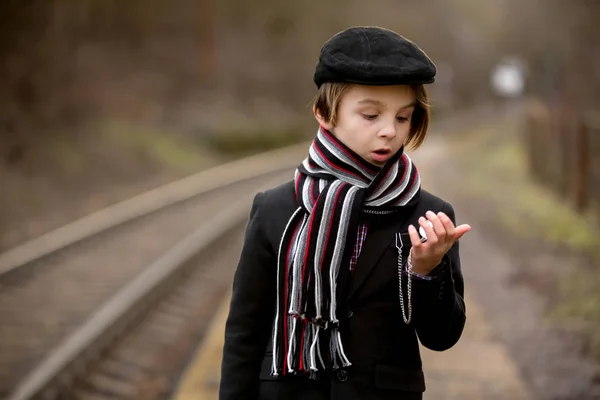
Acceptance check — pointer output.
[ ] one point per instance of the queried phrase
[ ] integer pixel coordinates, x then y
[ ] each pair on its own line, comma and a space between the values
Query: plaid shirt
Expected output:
360, 239
362, 235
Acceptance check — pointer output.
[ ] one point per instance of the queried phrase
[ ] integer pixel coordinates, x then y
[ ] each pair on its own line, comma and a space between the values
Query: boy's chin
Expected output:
376, 162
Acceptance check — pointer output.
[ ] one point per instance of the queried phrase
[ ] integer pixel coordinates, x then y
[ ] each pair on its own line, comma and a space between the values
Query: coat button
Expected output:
342, 376
349, 313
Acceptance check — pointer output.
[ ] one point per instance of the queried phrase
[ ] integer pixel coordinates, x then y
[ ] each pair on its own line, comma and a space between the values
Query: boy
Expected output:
335, 281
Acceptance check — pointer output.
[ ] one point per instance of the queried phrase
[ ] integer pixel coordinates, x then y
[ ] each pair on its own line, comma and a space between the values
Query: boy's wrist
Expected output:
423, 267
421, 271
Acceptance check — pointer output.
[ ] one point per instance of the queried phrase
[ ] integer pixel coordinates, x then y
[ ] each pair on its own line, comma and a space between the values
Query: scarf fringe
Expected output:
306, 335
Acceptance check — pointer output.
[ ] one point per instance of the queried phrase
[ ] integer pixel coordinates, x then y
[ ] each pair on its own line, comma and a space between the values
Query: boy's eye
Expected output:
369, 117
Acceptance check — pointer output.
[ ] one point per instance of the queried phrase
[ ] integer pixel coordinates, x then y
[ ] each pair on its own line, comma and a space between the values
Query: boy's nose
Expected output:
389, 131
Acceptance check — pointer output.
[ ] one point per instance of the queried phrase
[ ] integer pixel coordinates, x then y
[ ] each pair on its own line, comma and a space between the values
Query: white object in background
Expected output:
508, 78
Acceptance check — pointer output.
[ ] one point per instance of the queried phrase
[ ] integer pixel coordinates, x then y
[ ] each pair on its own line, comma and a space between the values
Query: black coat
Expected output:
384, 351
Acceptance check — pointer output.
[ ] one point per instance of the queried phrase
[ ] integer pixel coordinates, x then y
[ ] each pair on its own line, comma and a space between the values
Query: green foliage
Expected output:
241, 143
529, 211
580, 307
68, 155
163, 147
502, 168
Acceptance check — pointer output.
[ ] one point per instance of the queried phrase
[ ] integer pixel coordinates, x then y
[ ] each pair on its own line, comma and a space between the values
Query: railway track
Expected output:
115, 314
146, 363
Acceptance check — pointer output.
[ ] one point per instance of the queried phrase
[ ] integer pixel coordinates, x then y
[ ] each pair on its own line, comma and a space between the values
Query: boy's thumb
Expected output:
459, 231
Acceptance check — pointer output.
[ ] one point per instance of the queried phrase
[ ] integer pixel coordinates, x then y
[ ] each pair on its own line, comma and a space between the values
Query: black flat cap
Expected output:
373, 56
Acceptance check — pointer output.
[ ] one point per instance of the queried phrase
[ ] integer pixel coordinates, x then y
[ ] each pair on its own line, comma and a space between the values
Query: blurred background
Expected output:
99, 94
103, 99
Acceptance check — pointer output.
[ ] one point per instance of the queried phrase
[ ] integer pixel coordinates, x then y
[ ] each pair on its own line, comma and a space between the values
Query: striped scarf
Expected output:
333, 185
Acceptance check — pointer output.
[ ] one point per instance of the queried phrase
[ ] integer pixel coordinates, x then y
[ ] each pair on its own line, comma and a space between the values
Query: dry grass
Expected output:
534, 221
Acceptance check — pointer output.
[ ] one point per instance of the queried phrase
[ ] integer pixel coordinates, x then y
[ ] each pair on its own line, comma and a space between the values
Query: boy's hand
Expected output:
441, 235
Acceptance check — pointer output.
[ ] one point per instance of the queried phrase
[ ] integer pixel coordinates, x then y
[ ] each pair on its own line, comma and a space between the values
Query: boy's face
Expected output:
374, 121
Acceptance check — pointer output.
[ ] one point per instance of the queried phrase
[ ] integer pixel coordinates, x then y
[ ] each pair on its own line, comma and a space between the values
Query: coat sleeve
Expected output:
438, 305
251, 312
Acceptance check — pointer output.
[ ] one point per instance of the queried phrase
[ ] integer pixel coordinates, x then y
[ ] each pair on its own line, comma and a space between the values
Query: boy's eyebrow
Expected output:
371, 101
379, 103
409, 105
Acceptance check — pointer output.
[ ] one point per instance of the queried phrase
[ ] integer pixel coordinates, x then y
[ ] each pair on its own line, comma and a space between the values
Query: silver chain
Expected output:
381, 212
407, 318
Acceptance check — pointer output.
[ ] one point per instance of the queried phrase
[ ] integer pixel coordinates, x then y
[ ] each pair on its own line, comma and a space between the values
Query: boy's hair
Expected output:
330, 95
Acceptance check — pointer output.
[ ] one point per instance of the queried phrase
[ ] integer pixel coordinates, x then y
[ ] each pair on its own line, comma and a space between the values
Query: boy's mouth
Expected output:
381, 155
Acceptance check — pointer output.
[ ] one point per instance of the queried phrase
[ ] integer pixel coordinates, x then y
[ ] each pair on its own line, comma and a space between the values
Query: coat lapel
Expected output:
379, 235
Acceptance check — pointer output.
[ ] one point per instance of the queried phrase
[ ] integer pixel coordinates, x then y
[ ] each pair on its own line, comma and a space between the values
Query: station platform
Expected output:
477, 367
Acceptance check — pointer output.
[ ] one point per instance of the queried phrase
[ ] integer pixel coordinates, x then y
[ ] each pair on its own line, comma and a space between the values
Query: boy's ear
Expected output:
322, 122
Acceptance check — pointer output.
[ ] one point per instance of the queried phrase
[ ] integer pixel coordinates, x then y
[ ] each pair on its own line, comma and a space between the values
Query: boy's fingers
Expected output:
414, 236
438, 226
447, 224
431, 236
460, 231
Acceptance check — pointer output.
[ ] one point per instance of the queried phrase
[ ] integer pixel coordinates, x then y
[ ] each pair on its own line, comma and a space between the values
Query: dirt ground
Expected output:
542, 299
